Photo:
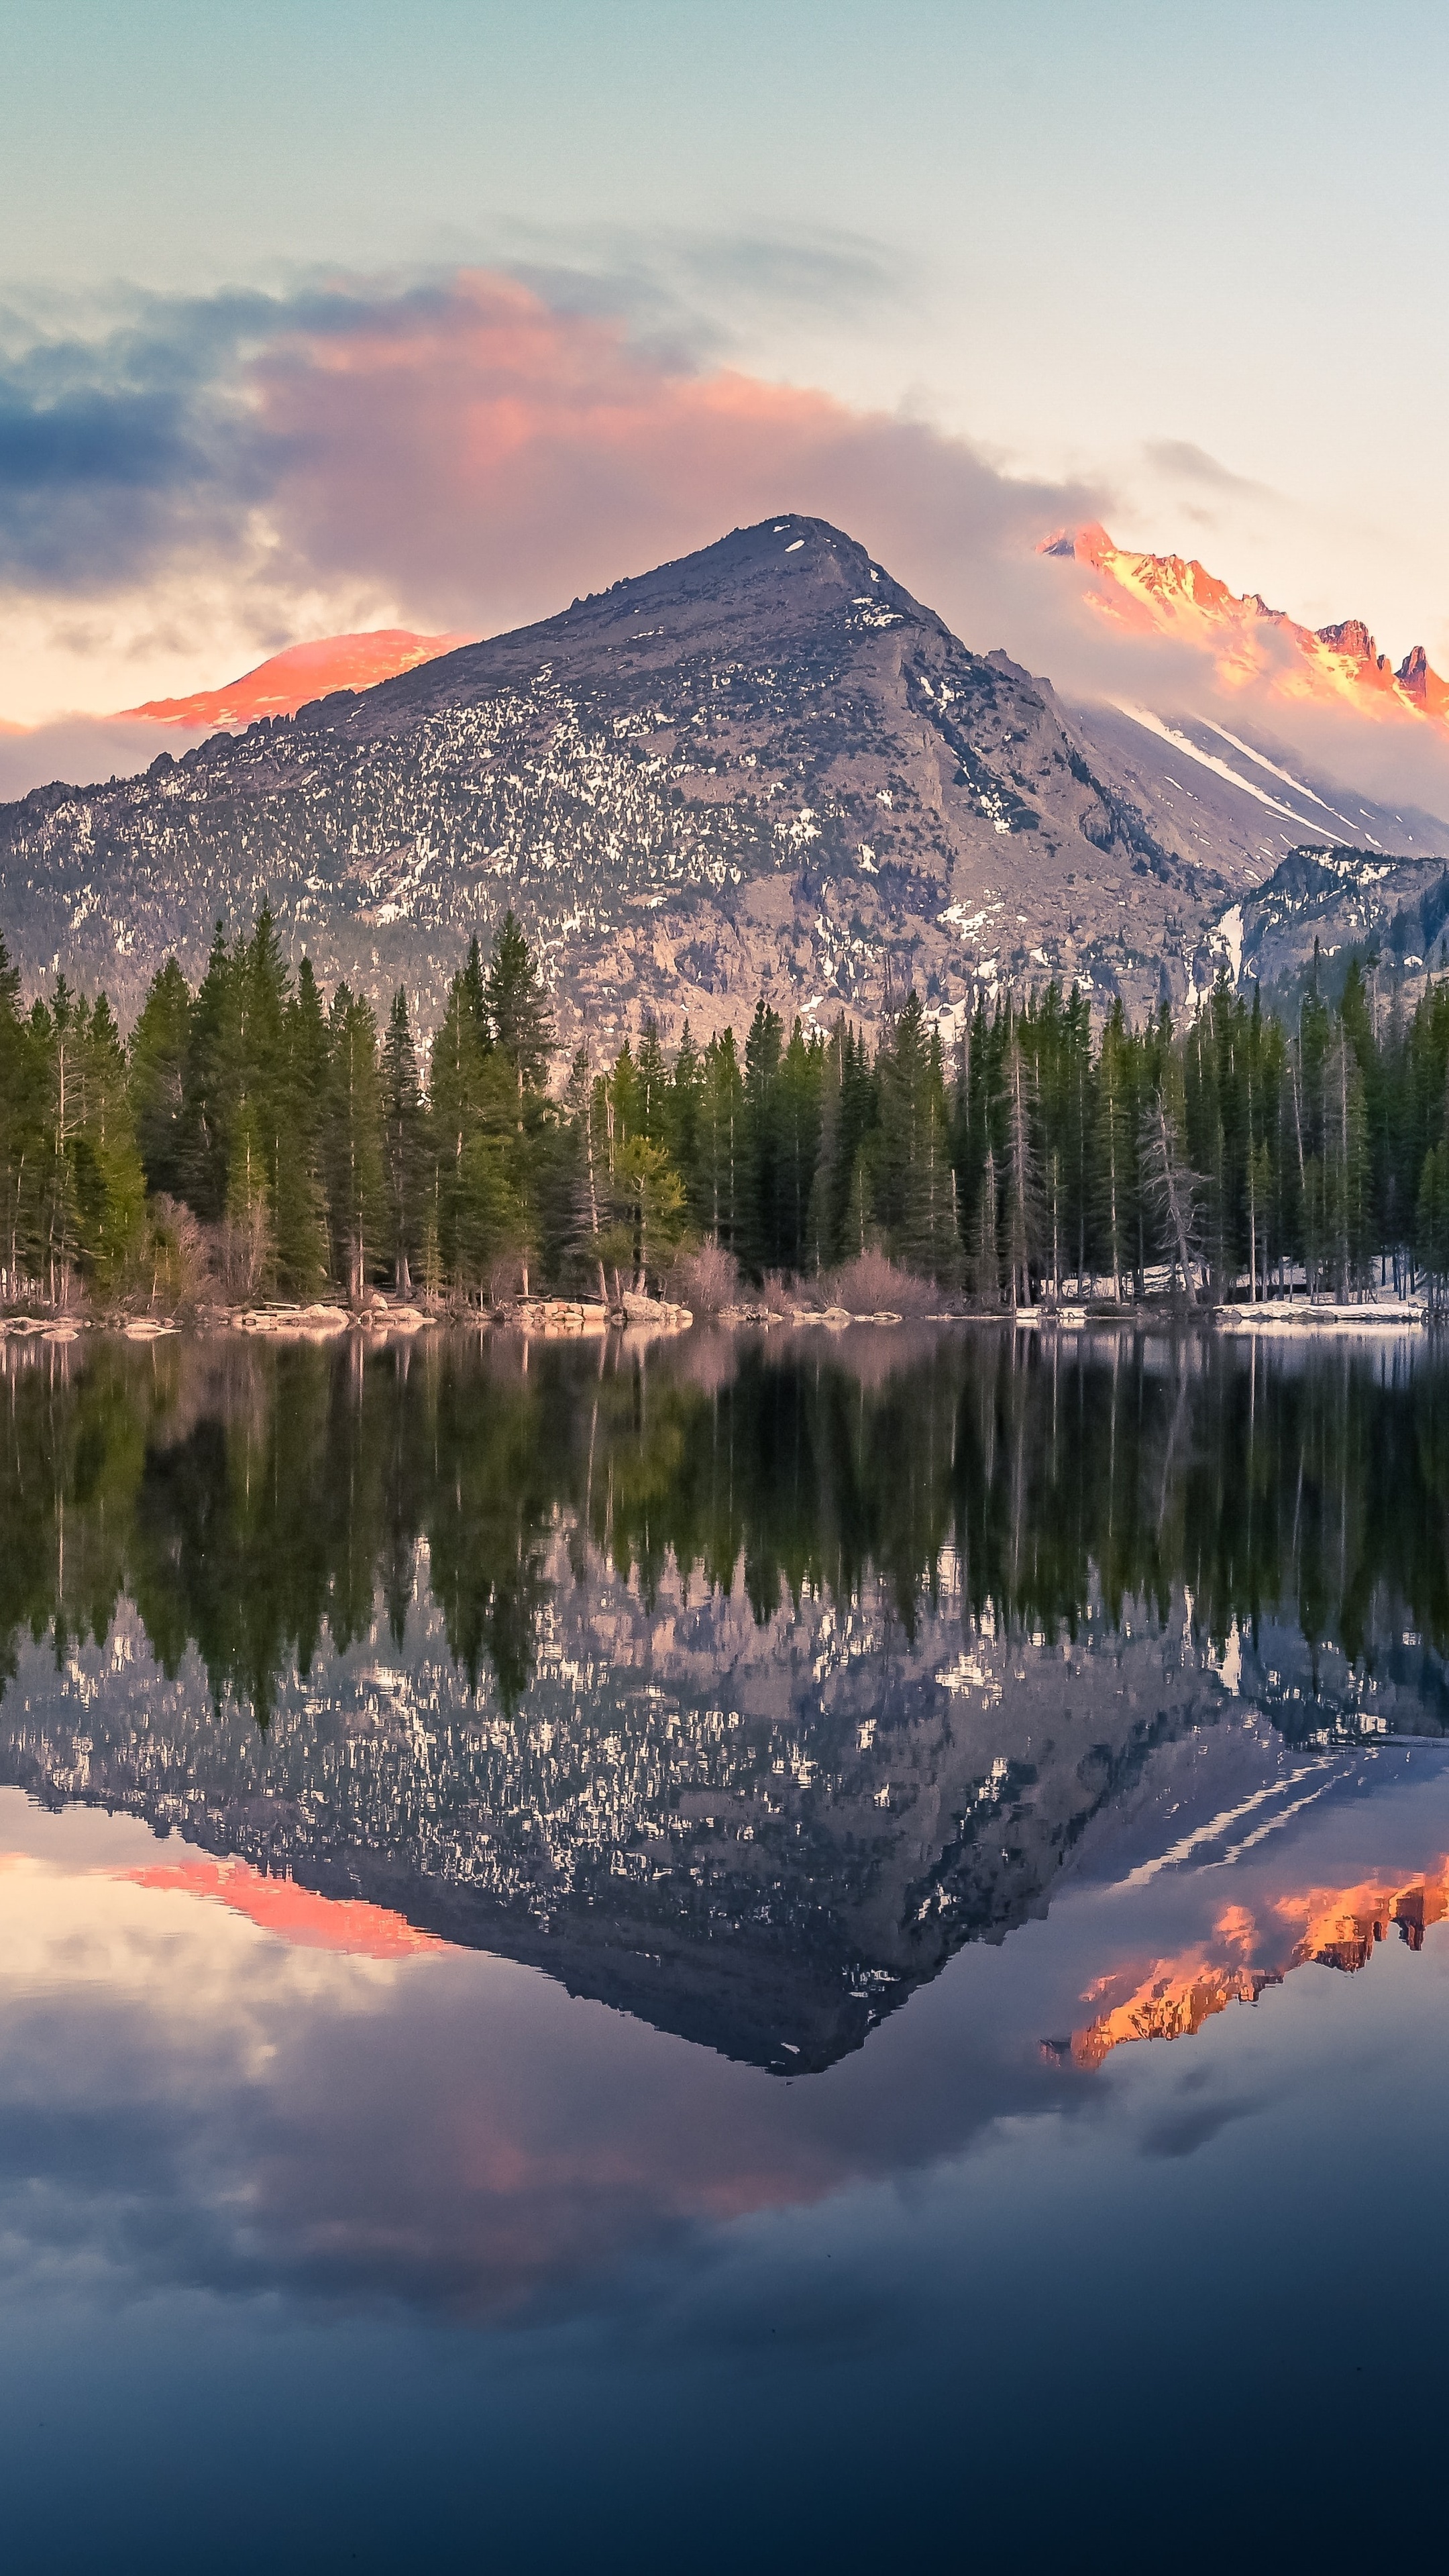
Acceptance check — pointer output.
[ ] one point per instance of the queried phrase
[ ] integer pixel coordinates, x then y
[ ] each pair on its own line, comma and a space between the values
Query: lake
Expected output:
754, 1950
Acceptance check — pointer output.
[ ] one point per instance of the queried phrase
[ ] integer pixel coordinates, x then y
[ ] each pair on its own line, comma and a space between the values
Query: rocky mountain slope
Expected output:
765, 767
1336, 904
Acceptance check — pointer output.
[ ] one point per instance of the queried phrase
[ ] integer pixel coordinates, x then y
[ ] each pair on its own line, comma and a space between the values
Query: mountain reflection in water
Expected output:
736, 1683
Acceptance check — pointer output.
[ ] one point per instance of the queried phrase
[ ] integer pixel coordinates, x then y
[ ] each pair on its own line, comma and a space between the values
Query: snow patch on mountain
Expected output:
1210, 760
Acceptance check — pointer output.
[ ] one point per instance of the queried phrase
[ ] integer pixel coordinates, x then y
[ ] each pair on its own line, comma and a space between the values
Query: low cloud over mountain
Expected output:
188, 487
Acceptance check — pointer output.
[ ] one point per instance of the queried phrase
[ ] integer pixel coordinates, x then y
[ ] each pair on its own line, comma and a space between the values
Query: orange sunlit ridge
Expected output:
292, 679
297, 1915
1252, 646
1336, 1927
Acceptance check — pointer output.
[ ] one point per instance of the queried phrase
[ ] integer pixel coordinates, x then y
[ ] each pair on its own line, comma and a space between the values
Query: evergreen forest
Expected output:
255, 1137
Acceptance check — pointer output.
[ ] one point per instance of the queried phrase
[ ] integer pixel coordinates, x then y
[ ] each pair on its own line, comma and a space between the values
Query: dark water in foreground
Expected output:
831, 1953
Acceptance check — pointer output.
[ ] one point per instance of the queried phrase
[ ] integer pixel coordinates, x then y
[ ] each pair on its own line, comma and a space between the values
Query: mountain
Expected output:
1320, 865
1253, 645
1335, 905
764, 767
289, 680
1335, 1927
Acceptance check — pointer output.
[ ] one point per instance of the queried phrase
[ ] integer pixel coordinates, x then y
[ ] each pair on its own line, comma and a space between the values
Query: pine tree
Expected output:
1079, 1175
1431, 1223
59, 1041
651, 1083
683, 1113
472, 992
758, 1218
516, 1008
916, 1199
491, 1227
1116, 1143
827, 1187
649, 1198
301, 1235
455, 1088
1172, 1191
579, 1223
160, 1044
405, 1143
718, 1194
1347, 1190
797, 1144
110, 1182
266, 992
353, 1141
22, 1132
1021, 1196
210, 1087
986, 1257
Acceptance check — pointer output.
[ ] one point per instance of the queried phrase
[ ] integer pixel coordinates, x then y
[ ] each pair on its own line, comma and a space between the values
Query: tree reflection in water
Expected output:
738, 1680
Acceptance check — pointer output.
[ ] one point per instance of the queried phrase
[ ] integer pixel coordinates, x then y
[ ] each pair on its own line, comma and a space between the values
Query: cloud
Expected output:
188, 484
83, 749
166, 433
121, 447
495, 455
1180, 461
698, 297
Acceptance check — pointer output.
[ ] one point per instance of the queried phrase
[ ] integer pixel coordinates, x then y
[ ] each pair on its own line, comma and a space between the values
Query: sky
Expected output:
315, 317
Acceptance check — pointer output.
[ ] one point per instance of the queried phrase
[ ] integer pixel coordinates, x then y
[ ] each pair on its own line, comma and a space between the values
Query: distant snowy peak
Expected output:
300, 675
1253, 646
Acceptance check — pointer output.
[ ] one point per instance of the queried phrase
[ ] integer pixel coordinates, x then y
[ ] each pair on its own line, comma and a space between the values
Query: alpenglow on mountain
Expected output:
765, 767
1175, 595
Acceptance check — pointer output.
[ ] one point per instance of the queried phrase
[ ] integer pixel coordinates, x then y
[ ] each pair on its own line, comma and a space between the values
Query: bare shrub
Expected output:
871, 1283
507, 1278
706, 1280
179, 1257
244, 1250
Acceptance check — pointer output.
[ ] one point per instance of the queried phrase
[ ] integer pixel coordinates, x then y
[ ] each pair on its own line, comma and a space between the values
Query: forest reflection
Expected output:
257, 1502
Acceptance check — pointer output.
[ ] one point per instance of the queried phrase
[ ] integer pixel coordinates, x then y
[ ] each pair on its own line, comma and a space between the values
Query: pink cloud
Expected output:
467, 456
485, 458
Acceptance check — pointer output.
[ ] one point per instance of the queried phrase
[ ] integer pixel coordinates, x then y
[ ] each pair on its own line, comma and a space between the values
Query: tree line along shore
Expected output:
254, 1139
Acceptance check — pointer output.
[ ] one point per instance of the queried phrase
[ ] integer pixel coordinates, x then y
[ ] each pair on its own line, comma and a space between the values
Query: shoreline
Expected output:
569, 1319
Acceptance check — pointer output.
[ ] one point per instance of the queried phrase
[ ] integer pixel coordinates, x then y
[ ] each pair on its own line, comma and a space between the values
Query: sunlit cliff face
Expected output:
1336, 1927
290, 680
1252, 647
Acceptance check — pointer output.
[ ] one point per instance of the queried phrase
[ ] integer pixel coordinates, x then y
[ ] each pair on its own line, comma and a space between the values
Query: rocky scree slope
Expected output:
1326, 906
764, 767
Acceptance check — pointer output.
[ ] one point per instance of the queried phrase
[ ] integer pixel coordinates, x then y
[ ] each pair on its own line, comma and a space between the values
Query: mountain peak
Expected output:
788, 577
1176, 595
760, 768
291, 679
1352, 639
763, 765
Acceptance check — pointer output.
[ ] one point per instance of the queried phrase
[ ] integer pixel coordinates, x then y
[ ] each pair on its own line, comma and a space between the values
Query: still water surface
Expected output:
795, 1953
